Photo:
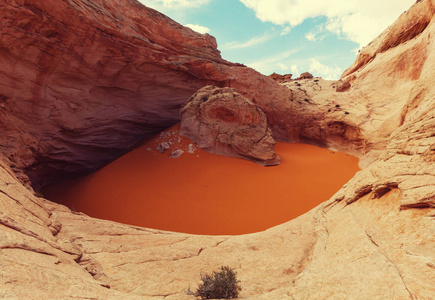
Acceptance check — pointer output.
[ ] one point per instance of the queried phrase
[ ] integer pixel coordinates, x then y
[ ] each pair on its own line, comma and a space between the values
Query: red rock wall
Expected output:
83, 81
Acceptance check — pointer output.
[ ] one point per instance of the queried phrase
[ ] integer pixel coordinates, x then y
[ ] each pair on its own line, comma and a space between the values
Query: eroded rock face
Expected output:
407, 27
222, 121
408, 163
305, 75
83, 81
373, 240
281, 78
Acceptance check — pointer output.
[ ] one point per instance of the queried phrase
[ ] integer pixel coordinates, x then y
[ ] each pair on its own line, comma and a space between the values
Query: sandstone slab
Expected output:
373, 240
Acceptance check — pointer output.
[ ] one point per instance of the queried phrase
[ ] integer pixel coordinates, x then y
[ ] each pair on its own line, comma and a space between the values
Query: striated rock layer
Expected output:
373, 240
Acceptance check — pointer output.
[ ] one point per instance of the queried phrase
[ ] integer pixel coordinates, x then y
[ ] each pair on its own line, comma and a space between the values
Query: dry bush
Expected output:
218, 285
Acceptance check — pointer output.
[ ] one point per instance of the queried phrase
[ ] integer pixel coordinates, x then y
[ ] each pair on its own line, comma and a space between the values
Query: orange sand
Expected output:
203, 193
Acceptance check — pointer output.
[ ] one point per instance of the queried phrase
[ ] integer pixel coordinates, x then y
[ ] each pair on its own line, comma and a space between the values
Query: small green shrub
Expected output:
218, 285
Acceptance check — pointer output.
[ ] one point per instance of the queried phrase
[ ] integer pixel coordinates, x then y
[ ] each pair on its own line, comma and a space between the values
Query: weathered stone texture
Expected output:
222, 121
374, 239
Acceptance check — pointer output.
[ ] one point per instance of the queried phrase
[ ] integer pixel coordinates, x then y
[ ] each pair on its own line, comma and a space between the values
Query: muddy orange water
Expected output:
204, 193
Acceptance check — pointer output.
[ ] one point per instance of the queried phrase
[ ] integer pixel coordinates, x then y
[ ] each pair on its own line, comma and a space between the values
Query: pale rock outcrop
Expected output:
374, 239
408, 163
388, 101
407, 27
368, 249
222, 121
35, 261
316, 114
162, 147
177, 153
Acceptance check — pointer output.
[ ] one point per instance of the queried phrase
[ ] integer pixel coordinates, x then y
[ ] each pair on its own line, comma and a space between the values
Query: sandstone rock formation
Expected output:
305, 75
374, 239
281, 78
222, 121
83, 81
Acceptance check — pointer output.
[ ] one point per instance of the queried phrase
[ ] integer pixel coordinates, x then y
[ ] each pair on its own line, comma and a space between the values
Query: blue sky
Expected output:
287, 36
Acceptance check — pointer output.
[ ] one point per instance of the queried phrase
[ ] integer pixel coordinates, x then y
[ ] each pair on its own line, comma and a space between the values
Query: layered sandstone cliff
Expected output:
71, 91
83, 81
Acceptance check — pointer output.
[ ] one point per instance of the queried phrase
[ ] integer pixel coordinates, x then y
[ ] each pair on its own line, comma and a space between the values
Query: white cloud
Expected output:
356, 50
324, 71
310, 36
268, 65
334, 25
295, 70
282, 66
198, 28
252, 42
316, 34
355, 20
286, 30
178, 10
174, 3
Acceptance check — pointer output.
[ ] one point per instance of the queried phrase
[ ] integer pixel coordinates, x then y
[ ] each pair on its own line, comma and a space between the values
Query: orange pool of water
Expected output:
204, 193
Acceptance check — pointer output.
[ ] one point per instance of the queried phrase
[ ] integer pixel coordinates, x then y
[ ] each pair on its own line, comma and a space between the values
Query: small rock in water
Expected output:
191, 148
176, 153
162, 147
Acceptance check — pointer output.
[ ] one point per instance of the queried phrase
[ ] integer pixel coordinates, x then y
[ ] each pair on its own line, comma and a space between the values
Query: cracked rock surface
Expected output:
374, 239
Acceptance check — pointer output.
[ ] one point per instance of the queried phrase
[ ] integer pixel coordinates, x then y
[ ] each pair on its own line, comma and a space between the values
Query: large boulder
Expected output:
222, 121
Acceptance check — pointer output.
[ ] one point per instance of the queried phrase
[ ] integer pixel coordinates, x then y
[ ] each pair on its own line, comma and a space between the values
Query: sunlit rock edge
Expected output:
374, 239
